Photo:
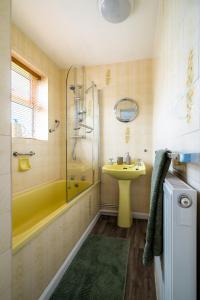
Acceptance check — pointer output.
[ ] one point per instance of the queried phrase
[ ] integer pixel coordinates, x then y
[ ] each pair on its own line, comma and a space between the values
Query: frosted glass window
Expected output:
22, 120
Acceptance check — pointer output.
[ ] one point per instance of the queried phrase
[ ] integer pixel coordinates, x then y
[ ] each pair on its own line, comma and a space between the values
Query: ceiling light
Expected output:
115, 11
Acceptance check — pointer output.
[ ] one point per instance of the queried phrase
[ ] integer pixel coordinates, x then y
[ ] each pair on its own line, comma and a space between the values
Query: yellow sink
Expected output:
125, 172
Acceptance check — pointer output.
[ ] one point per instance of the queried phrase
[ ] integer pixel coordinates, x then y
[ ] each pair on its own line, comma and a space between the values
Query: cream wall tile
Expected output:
4, 67
5, 275
5, 193
5, 154
130, 79
177, 34
7, 294
22, 274
46, 164
5, 145
5, 231
40, 263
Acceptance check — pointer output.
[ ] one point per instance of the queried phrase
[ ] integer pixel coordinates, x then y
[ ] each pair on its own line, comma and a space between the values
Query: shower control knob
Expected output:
185, 201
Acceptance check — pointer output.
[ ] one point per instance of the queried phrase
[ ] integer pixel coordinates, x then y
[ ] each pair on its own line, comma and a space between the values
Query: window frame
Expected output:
34, 84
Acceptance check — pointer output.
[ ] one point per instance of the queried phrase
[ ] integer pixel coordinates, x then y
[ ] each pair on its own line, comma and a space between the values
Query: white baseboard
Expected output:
56, 279
136, 215
108, 212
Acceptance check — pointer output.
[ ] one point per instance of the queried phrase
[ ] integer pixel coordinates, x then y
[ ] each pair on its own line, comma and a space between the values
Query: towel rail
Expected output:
31, 153
185, 157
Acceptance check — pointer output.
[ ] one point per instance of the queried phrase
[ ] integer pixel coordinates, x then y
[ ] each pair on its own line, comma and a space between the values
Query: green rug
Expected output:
97, 272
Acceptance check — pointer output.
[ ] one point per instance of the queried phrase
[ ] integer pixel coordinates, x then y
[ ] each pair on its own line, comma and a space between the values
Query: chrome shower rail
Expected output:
92, 85
185, 157
31, 153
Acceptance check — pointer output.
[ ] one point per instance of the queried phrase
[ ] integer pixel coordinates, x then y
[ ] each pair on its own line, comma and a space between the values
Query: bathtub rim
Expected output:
38, 186
32, 232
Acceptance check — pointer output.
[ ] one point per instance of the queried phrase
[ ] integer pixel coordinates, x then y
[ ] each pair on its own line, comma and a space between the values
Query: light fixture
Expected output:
115, 11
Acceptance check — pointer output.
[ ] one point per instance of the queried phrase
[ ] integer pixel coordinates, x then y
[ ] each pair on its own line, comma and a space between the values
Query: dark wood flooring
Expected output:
140, 280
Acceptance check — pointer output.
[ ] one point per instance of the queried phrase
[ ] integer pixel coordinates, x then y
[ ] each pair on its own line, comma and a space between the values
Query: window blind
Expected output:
25, 104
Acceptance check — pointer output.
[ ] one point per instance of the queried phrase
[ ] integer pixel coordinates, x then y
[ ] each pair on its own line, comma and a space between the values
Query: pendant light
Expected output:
115, 11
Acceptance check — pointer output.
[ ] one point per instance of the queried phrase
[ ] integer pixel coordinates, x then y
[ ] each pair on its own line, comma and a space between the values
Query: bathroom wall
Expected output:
176, 115
5, 149
130, 79
46, 164
177, 82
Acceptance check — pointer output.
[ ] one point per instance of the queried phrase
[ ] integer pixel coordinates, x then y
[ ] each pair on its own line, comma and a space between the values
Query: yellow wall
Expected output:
177, 76
5, 149
131, 79
46, 164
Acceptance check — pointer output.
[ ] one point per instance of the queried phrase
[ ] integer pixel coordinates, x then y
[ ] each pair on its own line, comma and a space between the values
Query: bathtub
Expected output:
34, 209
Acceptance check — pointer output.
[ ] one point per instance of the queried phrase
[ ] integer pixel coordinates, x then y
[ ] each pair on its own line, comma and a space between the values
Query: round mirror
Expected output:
126, 110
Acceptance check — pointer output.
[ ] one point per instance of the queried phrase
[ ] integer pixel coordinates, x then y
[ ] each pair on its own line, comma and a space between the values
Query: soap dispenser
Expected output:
127, 159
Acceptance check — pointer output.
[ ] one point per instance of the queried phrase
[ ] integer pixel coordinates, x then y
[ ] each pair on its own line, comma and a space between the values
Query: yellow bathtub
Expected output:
34, 209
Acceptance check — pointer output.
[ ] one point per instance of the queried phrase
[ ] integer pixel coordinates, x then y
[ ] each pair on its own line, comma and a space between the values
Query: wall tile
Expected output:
130, 79
5, 193
5, 275
46, 164
5, 231
177, 35
5, 145
22, 274
4, 67
5, 154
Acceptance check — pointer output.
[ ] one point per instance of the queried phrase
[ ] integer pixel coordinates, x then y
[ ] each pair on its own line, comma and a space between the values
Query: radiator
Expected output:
175, 271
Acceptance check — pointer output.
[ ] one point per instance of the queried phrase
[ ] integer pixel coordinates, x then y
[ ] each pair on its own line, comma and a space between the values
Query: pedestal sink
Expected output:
124, 174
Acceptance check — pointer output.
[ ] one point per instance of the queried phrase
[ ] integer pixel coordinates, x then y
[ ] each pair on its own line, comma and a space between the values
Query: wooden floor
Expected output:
140, 280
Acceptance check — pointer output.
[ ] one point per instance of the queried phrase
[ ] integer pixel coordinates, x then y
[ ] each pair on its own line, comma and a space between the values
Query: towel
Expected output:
154, 236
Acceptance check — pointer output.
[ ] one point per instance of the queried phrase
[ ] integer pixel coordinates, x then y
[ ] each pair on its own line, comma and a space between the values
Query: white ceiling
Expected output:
73, 31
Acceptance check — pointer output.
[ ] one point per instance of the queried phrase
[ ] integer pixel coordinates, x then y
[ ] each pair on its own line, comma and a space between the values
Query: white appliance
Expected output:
175, 271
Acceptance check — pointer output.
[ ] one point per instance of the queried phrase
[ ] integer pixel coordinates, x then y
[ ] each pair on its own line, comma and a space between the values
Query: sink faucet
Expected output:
139, 162
111, 161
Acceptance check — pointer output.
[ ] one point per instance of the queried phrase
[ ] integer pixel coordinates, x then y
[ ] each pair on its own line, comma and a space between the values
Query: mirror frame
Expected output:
123, 100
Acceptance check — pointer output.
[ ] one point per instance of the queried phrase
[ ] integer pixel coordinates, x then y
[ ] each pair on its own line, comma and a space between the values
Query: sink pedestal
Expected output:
124, 214
125, 174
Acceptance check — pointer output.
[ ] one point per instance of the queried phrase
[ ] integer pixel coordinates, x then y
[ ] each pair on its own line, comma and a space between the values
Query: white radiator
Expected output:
175, 271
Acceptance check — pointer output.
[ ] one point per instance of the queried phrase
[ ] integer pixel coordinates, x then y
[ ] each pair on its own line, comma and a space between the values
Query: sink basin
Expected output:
125, 172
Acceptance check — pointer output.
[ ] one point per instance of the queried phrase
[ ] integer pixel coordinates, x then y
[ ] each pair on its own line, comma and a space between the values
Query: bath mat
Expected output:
97, 272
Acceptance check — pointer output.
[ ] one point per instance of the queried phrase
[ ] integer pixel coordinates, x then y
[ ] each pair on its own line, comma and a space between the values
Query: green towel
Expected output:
154, 236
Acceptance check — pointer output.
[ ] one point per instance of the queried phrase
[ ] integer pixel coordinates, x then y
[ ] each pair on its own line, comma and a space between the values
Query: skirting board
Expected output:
56, 279
136, 215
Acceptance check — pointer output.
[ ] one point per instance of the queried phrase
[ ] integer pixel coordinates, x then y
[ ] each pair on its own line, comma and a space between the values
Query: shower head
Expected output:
73, 87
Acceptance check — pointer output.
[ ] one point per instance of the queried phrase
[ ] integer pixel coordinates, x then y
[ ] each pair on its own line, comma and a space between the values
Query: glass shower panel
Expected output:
82, 133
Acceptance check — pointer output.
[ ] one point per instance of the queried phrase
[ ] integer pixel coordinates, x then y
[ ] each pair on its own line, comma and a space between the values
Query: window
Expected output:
27, 106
